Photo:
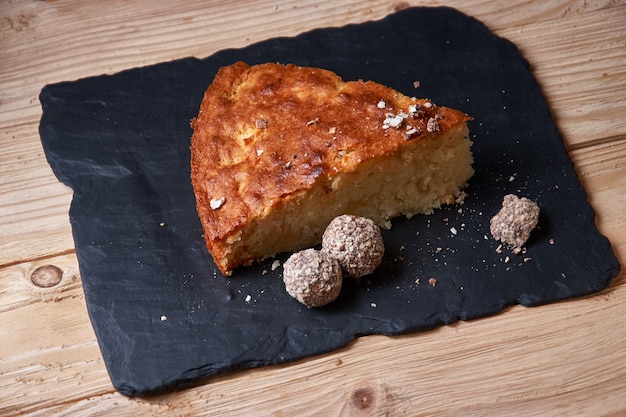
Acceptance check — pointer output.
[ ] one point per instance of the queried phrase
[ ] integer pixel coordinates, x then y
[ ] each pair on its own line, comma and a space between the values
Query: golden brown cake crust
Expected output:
265, 133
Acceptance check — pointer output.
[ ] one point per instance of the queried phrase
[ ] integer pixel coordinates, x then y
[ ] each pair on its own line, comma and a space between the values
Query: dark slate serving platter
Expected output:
164, 317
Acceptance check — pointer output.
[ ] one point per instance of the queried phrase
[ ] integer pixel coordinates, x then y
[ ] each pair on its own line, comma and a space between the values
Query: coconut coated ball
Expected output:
356, 242
312, 277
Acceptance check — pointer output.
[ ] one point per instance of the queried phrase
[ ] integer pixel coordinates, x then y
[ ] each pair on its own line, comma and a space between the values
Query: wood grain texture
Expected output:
581, 65
557, 360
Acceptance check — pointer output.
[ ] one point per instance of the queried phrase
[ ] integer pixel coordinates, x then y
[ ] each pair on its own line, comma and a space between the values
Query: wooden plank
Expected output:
581, 65
602, 171
48, 350
33, 204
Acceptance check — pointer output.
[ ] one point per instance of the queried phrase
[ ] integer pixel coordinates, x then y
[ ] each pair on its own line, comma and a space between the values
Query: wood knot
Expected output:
46, 276
363, 398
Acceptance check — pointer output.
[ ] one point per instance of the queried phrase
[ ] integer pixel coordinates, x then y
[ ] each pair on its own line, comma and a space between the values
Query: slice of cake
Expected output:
278, 151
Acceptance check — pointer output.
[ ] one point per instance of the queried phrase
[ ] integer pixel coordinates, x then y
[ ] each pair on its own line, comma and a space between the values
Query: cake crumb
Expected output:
275, 265
460, 199
338, 362
216, 203
432, 281
392, 120
448, 199
432, 126
163, 317
412, 131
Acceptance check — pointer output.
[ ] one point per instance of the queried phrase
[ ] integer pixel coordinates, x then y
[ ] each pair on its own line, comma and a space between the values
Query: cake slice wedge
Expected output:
278, 151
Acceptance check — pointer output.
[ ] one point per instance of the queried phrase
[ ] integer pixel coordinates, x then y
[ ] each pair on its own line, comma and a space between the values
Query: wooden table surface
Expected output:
562, 359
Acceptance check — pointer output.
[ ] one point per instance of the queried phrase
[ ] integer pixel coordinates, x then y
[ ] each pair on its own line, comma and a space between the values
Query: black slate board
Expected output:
164, 317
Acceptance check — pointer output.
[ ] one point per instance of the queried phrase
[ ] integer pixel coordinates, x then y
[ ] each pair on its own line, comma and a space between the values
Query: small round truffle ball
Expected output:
515, 221
356, 242
312, 277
